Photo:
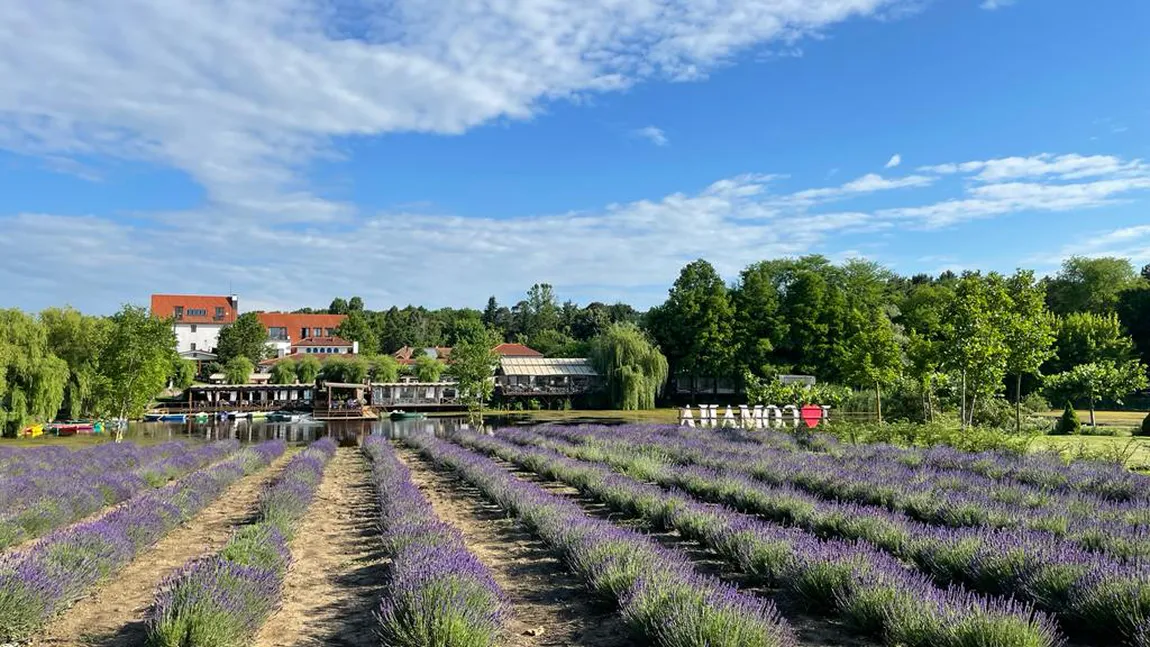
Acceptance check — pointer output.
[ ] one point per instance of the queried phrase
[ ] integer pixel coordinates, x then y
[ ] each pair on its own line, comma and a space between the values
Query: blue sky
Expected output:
439, 151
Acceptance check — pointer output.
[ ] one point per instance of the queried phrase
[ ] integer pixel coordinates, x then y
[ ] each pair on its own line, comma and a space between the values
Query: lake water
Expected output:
347, 432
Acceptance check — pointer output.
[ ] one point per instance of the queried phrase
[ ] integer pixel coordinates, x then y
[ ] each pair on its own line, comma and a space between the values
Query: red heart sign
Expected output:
811, 414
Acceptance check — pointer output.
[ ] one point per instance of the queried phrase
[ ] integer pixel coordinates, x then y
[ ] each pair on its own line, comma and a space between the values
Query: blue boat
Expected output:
165, 417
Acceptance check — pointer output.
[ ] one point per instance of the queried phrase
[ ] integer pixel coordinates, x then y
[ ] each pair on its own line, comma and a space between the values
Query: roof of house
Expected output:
547, 366
164, 305
294, 356
516, 350
294, 322
408, 354
323, 341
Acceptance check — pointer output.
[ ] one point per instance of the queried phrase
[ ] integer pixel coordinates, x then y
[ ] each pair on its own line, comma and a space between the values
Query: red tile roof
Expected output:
407, 354
294, 322
516, 350
164, 305
323, 341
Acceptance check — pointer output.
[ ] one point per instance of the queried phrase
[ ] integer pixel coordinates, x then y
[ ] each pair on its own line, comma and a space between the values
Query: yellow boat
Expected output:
31, 431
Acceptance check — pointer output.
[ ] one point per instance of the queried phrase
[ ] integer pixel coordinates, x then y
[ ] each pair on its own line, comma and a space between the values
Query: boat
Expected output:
31, 431
202, 417
400, 414
258, 414
165, 417
284, 416
71, 428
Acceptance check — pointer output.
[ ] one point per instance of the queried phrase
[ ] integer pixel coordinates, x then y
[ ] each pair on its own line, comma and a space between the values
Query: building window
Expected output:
179, 313
318, 332
277, 332
193, 330
219, 312
329, 331
303, 333
197, 312
193, 343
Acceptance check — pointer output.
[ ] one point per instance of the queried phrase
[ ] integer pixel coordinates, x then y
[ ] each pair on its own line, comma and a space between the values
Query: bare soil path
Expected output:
113, 615
550, 605
337, 573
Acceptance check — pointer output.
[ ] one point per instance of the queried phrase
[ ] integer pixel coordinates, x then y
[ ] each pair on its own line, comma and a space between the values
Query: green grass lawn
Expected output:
1104, 418
79, 440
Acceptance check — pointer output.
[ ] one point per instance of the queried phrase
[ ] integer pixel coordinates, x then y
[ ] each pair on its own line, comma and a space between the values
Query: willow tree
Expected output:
634, 369
79, 339
284, 372
32, 379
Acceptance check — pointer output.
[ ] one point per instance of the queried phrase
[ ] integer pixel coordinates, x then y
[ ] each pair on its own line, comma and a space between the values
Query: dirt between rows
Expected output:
550, 605
113, 614
338, 570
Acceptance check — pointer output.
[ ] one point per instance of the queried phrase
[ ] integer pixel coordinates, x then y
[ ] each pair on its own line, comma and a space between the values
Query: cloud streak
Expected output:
652, 134
894, 161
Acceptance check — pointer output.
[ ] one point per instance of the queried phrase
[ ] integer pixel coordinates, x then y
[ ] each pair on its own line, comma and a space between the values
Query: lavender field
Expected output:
569, 535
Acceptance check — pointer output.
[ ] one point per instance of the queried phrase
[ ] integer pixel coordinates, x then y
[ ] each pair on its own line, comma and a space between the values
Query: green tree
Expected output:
1029, 334
633, 369
1090, 284
79, 340
137, 360
356, 328
183, 373
1085, 338
542, 310
307, 370
238, 370
472, 364
339, 306
427, 369
759, 325
355, 304
694, 325
1098, 381
873, 355
283, 372
553, 343
1134, 313
974, 337
247, 338
348, 369
922, 355
1068, 424
32, 379
384, 368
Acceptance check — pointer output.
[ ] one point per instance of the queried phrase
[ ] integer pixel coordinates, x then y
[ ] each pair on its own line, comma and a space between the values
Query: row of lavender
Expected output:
952, 500
874, 593
54, 490
223, 599
438, 593
1090, 592
38, 582
1041, 469
657, 590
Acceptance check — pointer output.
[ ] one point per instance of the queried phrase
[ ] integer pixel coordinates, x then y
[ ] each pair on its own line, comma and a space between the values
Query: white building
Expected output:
196, 320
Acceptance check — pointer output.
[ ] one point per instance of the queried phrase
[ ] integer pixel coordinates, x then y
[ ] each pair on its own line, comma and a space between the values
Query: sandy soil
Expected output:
337, 574
112, 616
550, 605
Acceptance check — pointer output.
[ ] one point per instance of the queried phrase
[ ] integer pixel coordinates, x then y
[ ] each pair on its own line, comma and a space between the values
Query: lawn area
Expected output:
1135, 451
1104, 418
79, 440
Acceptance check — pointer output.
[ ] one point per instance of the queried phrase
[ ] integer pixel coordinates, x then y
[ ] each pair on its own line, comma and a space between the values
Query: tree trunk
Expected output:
930, 396
962, 409
878, 400
1018, 404
1093, 424
970, 413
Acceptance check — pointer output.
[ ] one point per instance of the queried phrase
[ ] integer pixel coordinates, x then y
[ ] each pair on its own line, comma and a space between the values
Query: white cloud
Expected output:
241, 95
630, 250
652, 134
1128, 242
1065, 167
894, 161
991, 5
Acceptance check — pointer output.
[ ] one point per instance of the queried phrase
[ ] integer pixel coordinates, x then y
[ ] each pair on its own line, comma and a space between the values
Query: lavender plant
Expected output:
38, 581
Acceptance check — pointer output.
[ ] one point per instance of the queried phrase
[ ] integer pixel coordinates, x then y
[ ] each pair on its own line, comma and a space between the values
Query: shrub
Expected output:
1068, 424
1145, 430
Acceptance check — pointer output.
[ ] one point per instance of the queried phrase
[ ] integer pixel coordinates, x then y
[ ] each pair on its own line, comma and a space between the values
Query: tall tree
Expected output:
873, 356
78, 339
543, 309
355, 304
137, 360
356, 328
1029, 333
338, 306
472, 364
632, 367
183, 373
759, 325
32, 379
384, 368
1134, 313
247, 337
695, 324
975, 340
1090, 284
1087, 338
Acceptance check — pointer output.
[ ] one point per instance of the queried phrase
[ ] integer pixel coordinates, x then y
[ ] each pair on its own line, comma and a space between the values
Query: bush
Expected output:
1145, 430
1068, 424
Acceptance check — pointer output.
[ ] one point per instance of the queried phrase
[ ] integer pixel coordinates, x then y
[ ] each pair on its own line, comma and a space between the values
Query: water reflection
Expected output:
346, 432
